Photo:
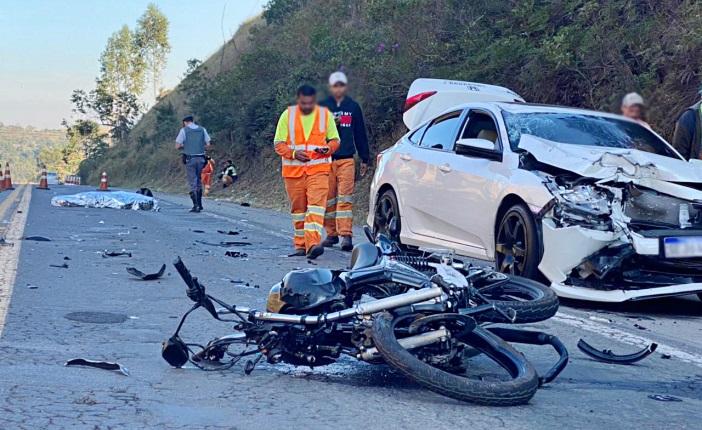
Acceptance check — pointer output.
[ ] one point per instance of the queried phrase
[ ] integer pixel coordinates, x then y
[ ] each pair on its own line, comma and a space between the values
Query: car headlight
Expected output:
585, 198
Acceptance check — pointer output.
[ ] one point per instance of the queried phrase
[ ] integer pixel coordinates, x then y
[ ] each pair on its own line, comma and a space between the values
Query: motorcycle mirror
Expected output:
369, 233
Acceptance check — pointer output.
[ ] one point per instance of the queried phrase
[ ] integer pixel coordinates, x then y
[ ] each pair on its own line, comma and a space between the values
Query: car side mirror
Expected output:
466, 145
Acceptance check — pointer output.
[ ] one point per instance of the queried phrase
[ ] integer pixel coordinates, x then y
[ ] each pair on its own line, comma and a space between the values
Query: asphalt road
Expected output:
37, 391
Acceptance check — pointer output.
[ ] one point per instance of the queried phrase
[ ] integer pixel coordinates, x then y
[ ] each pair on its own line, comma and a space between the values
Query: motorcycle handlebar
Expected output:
183, 272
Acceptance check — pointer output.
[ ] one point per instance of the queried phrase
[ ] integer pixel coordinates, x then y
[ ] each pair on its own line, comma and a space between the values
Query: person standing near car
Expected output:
192, 141
687, 139
633, 107
338, 221
305, 138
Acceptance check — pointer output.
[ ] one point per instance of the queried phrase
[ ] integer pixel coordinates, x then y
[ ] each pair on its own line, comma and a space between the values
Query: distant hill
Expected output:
21, 147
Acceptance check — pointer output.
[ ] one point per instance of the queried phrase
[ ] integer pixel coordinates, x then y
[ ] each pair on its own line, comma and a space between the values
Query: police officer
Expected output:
193, 140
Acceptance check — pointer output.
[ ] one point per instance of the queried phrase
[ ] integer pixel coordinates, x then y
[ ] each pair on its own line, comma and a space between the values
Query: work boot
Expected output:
315, 252
193, 197
199, 200
330, 241
346, 243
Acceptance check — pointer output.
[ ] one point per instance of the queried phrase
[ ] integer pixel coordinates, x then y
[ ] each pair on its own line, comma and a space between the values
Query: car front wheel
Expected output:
517, 243
387, 216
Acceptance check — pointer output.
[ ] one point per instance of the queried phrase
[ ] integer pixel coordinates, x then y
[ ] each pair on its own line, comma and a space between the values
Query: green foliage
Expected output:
151, 39
122, 64
23, 146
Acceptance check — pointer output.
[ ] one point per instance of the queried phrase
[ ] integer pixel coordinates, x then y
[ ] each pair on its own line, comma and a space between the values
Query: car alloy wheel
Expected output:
512, 244
387, 216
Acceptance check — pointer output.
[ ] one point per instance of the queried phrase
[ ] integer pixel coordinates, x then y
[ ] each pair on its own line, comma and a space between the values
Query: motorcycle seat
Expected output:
364, 255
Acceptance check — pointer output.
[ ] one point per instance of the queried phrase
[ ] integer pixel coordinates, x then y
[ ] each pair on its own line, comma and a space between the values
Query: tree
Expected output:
118, 111
151, 38
122, 66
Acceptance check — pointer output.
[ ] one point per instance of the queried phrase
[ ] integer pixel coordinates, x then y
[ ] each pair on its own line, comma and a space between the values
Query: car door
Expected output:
422, 174
468, 183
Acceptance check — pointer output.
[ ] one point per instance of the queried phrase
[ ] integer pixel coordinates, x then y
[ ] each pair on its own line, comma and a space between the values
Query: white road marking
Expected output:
625, 337
9, 255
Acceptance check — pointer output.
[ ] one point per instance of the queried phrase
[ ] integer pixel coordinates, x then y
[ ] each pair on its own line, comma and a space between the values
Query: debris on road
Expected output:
32, 287
224, 243
664, 398
236, 254
640, 327
146, 277
607, 356
106, 365
3, 242
114, 200
37, 238
145, 192
124, 252
59, 266
230, 232
245, 204
198, 231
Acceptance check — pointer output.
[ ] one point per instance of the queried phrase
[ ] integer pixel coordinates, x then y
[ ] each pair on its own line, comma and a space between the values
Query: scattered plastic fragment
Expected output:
664, 398
59, 266
67, 258
640, 327
198, 231
114, 199
146, 277
224, 243
106, 365
107, 253
230, 232
607, 356
38, 238
245, 204
236, 254
666, 356
3, 242
32, 287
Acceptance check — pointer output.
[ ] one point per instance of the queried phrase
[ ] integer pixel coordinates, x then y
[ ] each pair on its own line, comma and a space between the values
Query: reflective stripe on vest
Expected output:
318, 163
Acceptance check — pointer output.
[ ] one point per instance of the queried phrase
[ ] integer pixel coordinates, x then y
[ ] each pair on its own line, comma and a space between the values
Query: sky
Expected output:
49, 48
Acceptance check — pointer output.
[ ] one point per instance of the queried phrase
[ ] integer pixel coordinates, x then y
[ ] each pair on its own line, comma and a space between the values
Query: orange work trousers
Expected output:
307, 195
338, 220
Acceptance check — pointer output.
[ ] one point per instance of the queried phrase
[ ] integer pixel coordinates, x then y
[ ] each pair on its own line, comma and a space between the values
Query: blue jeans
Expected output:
193, 168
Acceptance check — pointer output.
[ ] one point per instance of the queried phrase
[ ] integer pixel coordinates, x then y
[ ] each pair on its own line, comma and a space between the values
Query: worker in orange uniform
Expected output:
338, 220
305, 138
206, 174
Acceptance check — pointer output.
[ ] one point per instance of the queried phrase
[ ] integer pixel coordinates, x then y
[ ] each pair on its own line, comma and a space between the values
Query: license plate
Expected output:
682, 247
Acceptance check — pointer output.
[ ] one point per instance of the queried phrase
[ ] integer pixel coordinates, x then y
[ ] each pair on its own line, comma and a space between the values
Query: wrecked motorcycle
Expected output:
424, 315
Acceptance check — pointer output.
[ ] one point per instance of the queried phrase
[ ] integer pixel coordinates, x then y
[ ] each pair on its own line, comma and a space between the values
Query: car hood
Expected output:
603, 163
663, 174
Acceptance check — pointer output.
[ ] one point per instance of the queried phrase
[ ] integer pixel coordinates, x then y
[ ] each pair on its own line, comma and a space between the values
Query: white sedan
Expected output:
601, 206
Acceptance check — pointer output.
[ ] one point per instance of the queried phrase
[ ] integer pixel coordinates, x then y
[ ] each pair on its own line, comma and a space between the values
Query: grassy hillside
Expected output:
20, 146
572, 52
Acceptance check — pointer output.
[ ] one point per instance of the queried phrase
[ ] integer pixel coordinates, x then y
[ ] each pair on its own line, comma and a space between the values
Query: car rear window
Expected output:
583, 129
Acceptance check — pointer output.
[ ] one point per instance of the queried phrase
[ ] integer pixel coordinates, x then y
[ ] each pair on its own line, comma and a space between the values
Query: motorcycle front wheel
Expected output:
515, 385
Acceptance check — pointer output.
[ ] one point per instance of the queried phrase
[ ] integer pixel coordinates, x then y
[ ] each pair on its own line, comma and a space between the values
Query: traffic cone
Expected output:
43, 182
8, 177
103, 182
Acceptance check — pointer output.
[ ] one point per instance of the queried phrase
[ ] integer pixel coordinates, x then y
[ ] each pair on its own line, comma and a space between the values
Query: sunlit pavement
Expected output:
37, 391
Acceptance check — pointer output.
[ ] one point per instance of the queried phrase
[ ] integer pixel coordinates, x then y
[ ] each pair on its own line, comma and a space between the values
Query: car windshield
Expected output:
582, 129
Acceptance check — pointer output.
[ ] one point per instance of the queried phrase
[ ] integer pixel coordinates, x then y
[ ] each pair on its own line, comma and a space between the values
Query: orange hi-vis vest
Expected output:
319, 163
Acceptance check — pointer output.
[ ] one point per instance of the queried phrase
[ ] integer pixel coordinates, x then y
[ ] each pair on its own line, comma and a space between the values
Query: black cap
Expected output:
188, 118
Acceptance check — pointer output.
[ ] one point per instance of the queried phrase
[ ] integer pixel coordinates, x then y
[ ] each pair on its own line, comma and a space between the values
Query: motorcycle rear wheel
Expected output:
518, 389
531, 300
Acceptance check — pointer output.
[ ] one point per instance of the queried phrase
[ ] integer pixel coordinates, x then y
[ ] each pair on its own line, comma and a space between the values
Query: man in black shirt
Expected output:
688, 132
338, 220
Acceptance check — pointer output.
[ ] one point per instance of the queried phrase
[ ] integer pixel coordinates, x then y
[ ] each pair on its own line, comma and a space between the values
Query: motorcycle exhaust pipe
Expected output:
411, 342
367, 308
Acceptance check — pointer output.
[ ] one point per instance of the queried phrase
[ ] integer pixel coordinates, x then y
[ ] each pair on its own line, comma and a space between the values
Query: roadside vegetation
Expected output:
23, 146
583, 53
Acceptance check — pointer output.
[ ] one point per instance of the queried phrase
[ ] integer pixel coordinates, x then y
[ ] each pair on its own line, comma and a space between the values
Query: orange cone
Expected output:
43, 182
103, 182
8, 177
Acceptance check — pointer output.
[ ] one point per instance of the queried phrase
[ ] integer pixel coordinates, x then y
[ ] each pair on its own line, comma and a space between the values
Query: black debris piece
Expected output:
123, 252
145, 192
640, 327
32, 287
198, 231
664, 398
38, 238
106, 365
146, 277
245, 204
607, 356
666, 356
230, 232
311, 262
67, 258
224, 243
3, 242
236, 254
59, 266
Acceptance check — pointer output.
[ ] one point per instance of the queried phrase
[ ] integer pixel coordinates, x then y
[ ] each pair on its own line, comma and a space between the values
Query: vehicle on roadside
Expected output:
423, 315
52, 178
602, 207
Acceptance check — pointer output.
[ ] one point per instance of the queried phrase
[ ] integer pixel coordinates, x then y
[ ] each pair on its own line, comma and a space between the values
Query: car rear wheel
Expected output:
517, 243
387, 216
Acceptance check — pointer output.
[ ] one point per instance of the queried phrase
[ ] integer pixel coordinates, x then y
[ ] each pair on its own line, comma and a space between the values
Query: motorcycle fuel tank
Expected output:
304, 289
